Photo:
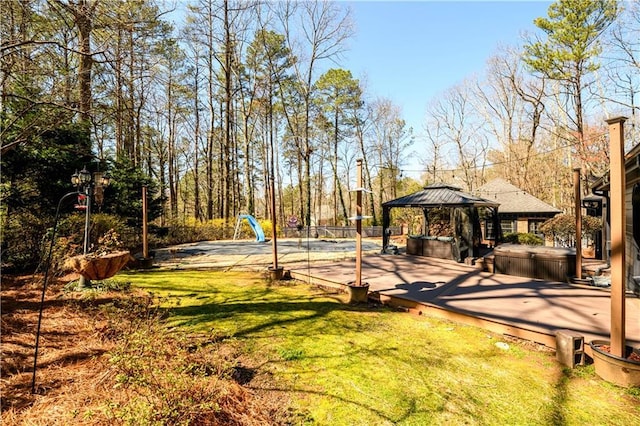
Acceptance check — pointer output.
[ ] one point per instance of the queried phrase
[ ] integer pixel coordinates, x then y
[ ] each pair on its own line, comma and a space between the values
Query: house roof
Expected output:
437, 195
513, 199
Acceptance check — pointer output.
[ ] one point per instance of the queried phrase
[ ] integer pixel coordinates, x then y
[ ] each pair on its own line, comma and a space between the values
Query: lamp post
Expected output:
82, 182
88, 185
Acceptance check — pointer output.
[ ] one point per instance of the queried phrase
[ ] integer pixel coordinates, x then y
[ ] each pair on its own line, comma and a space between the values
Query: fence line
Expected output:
187, 234
339, 231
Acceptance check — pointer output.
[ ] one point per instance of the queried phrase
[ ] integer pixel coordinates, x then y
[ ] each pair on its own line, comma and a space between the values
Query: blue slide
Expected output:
255, 226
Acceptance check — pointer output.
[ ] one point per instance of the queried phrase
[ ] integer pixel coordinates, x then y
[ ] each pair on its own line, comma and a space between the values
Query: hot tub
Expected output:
545, 263
439, 247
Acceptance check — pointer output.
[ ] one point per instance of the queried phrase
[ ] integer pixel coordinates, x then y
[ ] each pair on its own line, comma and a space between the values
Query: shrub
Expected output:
70, 236
523, 238
190, 230
27, 237
72, 227
563, 226
22, 238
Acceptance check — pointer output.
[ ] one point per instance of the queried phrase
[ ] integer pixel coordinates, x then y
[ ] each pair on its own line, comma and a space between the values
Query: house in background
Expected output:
519, 211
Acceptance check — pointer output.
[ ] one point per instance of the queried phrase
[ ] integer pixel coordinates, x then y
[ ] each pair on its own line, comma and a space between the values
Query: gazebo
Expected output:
466, 232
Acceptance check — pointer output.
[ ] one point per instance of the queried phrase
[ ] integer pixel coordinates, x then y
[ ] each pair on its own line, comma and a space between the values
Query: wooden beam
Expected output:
358, 222
423, 308
578, 207
618, 228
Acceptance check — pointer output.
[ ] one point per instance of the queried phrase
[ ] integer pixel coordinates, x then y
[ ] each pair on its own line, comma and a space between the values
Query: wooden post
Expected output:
617, 179
82, 281
359, 222
274, 234
578, 208
145, 229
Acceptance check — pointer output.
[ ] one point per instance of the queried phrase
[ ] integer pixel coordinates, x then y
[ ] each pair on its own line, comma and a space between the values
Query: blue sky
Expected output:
411, 51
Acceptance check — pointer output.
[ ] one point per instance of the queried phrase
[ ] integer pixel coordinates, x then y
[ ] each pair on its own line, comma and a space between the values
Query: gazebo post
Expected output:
386, 220
425, 221
475, 222
618, 211
578, 209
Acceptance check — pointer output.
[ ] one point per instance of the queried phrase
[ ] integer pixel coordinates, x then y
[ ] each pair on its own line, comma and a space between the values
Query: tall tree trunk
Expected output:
226, 175
84, 20
209, 167
197, 214
171, 150
221, 185
211, 96
367, 176
320, 186
345, 215
300, 171
248, 170
119, 103
582, 143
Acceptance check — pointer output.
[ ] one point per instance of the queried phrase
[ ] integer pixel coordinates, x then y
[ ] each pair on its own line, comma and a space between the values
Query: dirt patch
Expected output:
87, 364
69, 345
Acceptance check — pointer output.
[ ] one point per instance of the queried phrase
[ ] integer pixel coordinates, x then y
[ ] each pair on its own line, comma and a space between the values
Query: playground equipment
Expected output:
257, 229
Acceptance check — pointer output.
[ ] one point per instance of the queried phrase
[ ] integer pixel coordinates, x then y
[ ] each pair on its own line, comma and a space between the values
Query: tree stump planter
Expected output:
358, 293
620, 371
276, 274
94, 267
145, 263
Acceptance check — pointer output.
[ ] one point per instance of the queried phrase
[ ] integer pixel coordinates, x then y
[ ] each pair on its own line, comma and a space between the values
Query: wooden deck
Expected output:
522, 307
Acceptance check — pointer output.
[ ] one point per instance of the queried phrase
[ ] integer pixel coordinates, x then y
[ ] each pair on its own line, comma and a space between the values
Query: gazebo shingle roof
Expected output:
513, 199
439, 194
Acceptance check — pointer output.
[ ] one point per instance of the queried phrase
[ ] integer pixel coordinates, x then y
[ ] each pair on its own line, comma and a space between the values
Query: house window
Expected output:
489, 233
534, 227
508, 226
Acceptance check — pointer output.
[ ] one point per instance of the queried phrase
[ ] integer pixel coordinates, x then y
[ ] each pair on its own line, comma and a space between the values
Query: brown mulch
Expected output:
74, 376
632, 357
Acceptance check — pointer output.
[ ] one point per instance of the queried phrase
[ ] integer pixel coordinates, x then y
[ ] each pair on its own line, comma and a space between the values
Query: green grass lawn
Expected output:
370, 365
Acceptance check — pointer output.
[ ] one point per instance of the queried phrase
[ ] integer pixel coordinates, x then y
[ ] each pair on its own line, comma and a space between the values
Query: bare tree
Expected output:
512, 106
324, 30
361, 119
130, 34
338, 94
434, 159
390, 139
462, 131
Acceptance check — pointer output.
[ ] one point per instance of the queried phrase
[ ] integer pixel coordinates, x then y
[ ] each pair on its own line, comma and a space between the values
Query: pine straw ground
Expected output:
104, 358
